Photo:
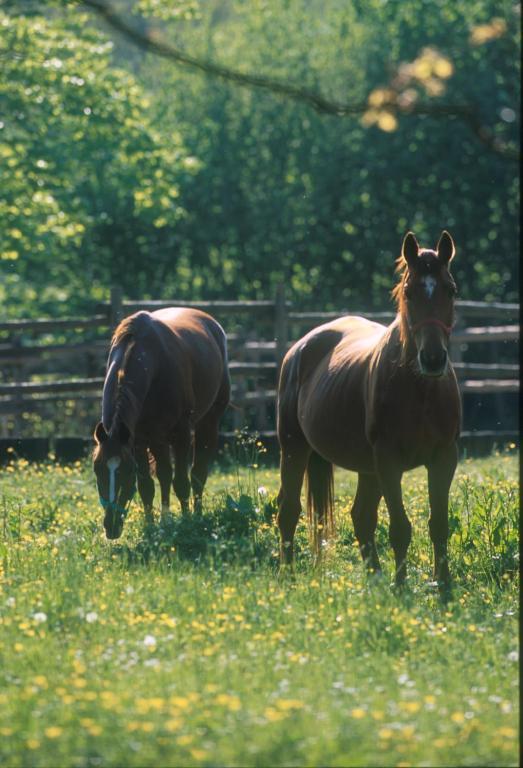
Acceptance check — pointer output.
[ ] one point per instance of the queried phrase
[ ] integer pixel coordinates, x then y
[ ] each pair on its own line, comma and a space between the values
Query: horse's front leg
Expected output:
400, 529
145, 483
164, 473
440, 474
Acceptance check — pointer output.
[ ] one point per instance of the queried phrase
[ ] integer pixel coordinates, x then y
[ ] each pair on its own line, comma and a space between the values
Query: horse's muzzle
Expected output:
113, 523
433, 363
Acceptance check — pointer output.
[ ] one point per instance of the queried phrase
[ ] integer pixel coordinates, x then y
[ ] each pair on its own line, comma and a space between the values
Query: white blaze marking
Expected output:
429, 283
112, 466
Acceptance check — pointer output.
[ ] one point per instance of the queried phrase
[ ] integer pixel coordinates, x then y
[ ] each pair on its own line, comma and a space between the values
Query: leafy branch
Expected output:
392, 104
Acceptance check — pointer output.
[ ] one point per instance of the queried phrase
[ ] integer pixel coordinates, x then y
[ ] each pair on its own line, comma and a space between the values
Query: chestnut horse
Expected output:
167, 377
379, 401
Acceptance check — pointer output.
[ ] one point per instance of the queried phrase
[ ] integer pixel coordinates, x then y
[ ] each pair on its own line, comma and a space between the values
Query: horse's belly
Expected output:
334, 425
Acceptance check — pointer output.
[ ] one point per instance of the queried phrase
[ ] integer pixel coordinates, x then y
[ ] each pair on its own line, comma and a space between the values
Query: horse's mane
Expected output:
126, 334
399, 299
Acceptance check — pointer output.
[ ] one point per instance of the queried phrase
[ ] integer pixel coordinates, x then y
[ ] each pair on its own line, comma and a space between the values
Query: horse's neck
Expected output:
400, 338
391, 343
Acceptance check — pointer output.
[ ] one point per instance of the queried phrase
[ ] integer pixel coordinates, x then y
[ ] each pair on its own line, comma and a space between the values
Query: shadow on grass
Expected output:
233, 531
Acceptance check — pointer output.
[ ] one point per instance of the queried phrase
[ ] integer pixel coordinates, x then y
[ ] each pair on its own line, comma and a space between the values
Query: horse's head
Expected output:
427, 301
115, 470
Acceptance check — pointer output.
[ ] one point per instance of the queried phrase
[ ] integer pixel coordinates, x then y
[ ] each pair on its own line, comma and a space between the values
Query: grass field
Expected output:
184, 648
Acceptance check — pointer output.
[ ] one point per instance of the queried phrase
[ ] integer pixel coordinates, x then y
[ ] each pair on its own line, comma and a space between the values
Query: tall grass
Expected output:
184, 647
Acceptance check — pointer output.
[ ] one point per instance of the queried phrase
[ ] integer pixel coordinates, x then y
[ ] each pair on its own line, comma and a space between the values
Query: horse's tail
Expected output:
320, 499
133, 326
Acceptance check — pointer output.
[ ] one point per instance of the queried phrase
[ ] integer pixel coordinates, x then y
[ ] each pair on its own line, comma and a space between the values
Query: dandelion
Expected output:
231, 702
273, 715
91, 617
287, 704
149, 641
513, 656
53, 732
39, 617
173, 724
185, 740
180, 702
32, 743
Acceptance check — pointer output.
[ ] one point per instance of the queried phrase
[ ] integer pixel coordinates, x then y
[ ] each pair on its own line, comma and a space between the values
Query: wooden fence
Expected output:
48, 362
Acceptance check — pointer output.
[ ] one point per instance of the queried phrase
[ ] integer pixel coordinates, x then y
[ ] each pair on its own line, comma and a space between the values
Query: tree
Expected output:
91, 188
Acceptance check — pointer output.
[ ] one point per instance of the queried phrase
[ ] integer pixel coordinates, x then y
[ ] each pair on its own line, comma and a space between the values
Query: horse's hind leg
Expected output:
145, 482
205, 448
400, 529
364, 515
293, 462
182, 446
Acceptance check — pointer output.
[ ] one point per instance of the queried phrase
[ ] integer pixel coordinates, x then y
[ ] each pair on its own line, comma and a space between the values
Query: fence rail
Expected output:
254, 364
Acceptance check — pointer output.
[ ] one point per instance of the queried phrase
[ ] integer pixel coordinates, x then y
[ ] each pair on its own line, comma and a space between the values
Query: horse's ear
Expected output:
410, 248
445, 247
123, 434
100, 435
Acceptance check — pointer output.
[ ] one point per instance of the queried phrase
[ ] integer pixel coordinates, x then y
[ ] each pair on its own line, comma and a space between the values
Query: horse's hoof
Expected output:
445, 591
374, 575
286, 573
399, 586
167, 523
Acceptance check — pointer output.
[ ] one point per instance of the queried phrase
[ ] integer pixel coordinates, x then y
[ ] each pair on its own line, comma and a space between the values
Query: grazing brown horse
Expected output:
379, 401
167, 377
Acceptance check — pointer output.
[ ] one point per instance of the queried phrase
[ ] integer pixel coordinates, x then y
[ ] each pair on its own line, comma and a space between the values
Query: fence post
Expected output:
281, 333
116, 310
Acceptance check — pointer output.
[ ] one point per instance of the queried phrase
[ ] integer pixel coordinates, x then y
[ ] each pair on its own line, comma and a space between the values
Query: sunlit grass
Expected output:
186, 647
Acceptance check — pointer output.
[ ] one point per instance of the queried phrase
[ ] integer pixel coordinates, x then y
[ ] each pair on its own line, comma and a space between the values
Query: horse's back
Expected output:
191, 324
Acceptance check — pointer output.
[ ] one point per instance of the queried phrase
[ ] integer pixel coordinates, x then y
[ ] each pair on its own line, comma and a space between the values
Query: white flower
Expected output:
513, 656
129, 589
40, 617
152, 663
91, 617
149, 641
262, 490
10, 602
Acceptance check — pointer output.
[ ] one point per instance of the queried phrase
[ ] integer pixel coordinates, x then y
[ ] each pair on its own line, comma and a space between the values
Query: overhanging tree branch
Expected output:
464, 112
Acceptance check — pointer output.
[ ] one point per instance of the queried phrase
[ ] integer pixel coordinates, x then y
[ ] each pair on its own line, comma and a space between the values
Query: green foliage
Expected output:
185, 658
91, 186
323, 202
120, 166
